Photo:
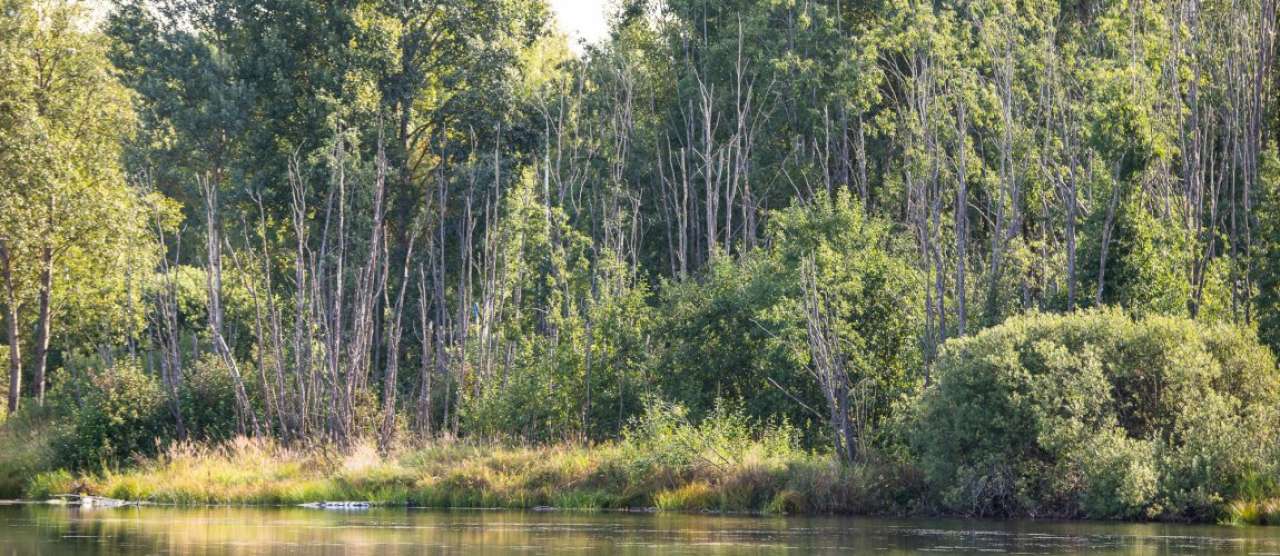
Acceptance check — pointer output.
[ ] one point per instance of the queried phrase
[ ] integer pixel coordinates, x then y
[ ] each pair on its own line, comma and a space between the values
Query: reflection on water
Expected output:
51, 530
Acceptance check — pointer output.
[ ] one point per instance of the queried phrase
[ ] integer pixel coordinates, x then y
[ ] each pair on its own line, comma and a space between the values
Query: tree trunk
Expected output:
214, 284
43, 327
829, 365
11, 320
391, 375
1106, 243
962, 221
1072, 209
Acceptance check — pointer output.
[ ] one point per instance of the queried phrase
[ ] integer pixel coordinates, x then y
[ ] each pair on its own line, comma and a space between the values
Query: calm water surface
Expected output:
52, 530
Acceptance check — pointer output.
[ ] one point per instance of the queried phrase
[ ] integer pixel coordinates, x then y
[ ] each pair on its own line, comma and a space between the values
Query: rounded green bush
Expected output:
1097, 414
120, 413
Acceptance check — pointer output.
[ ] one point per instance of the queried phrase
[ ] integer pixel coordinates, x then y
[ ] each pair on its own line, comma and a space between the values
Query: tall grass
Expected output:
26, 448
455, 475
1263, 512
664, 462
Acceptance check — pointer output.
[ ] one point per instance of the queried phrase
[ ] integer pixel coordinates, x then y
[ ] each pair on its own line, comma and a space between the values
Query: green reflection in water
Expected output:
52, 530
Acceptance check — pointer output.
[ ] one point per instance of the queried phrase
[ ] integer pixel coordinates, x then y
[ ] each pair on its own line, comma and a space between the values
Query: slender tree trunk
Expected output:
391, 376
1072, 209
1006, 192
43, 321
11, 328
303, 309
829, 364
962, 221
425, 363
165, 331
214, 283
1106, 243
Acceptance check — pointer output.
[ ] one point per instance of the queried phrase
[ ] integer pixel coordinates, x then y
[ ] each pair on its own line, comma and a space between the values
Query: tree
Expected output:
1268, 267
65, 200
822, 323
856, 293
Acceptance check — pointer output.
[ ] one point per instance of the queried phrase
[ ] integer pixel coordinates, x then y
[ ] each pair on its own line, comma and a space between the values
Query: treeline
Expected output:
337, 220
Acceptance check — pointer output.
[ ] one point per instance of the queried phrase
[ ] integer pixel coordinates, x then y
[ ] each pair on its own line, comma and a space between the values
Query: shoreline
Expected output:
557, 478
609, 477
652, 511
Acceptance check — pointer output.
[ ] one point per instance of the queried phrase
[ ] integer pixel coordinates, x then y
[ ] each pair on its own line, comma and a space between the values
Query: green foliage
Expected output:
1101, 415
713, 346
49, 484
28, 438
566, 350
741, 333
1149, 262
621, 248
874, 291
74, 234
208, 401
114, 412
1268, 268
1118, 475
664, 438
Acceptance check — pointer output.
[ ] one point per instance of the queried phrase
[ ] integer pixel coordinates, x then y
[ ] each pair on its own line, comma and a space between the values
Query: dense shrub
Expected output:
664, 437
208, 400
111, 414
101, 414
740, 331
1098, 414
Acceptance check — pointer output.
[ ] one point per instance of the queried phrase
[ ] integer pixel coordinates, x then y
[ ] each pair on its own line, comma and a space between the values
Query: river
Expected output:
27, 529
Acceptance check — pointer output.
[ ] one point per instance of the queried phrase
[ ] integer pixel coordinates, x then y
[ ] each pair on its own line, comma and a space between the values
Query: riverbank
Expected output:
1178, 425
454, 474
447, 474
663, 461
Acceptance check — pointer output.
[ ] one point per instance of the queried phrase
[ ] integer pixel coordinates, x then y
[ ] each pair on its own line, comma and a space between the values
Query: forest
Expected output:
963, 257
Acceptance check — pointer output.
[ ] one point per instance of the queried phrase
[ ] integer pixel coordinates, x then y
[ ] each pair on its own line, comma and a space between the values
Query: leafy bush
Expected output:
664, 438
1101, 415
120, 412
51, 483
208, 400
740, 331
1118, 475
573, 371
99, 414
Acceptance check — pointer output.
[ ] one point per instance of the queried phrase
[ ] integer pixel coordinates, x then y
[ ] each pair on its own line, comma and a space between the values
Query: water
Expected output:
52, 530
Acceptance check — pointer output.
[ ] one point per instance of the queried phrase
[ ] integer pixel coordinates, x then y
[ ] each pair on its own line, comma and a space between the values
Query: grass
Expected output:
457, 474
25, 450
683, 472
724, 464
1262, 512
